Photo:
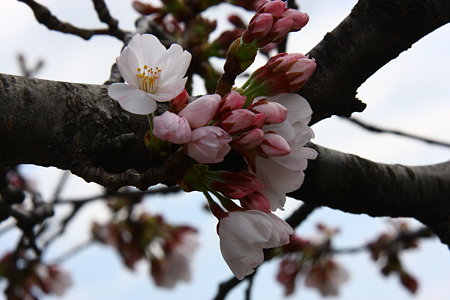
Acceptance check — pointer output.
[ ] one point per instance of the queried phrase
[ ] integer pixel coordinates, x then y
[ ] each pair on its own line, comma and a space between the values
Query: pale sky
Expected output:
410, 94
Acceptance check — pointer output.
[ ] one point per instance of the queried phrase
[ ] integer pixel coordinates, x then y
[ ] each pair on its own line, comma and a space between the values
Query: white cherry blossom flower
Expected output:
151, 72
284, 174
244, 235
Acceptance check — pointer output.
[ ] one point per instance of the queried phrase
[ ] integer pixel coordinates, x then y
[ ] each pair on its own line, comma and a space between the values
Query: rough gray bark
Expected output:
356, 185
77, 127
375, 32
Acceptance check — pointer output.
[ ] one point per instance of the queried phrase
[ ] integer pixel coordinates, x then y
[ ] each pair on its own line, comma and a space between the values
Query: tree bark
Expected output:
375, 32
78, 127
356, 185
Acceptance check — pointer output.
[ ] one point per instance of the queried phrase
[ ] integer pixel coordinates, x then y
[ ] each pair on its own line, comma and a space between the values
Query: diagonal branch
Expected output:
45, 17
104, 16
375, 32
377, 129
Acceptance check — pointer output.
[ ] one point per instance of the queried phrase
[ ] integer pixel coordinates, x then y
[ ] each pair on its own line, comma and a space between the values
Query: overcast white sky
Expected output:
411, 94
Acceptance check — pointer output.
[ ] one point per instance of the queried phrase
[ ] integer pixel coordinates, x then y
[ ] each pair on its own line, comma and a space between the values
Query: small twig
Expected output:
45, 17
248, 291
396, 132
225, 287
61, 184
300, 214
104, 16
25, 70
423, 232
64, 224
108, 193
71, 252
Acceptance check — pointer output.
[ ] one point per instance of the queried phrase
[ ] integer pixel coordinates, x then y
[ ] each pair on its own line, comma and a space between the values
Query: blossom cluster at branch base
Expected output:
264, 122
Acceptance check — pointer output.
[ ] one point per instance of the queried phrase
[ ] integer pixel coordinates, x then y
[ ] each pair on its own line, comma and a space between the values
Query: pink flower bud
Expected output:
179, 102
275, 112
172, 128
209, 144
280, 29
240, 119
301, 70
231, 101
237, 185
274, 145
276, 8
199, 112
283, 62
283, 73
260, 25
299, 19
249, 140
256, 201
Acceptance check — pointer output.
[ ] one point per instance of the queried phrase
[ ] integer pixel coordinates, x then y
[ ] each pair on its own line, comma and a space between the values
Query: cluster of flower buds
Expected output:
210, 126
387, 248
270, 25
269, 132
314, 261
272, 22
263, 122
32, 278
168, 248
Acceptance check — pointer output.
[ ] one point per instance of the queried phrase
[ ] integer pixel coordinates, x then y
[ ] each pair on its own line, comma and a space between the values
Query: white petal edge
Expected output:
130, 99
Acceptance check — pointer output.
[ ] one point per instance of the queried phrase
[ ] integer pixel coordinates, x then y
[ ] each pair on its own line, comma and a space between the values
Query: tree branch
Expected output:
396, 132
45, 17
375, 32
80, 134
356, 185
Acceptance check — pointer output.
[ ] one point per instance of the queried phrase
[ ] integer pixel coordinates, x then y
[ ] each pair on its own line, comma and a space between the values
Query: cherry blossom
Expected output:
327, 278
200, 111
244, 235
175, 267
208, 145
152, 74
284, 174
170, 127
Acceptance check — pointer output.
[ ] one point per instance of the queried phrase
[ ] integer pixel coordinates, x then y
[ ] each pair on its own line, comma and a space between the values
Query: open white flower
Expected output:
151, 72
244, 235
284, 174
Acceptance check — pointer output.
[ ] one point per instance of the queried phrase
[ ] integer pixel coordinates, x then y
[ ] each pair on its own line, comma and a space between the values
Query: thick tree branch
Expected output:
80, 134
356, 185
77, 126
375, 32
67, 125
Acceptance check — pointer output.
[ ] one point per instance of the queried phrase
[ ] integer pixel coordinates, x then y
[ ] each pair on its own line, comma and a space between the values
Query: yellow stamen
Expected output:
148, 79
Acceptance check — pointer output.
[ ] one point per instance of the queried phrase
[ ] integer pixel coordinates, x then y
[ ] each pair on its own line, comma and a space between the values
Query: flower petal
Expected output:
130, 99
128, 64
147, 48
175, 62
